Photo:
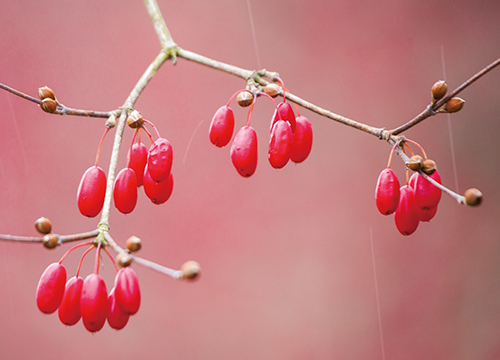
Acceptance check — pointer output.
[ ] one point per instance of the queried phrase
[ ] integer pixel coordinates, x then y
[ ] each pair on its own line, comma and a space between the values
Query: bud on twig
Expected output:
473, 197
133, 243
416, 162
272, 90
124, 259
190, 270
454, 104
50, 241
46, 92
48, 105
429, 166
245, 98
439, 90
43, 225
135, 119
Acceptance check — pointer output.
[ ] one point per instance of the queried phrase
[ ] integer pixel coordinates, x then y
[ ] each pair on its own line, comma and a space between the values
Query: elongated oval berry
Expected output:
302, 140
280, 144
125, 191
137, 160
244, 151
222, 126
116, 318
158, 192
91, 191
160, 159
387, 192
427, 214
284, 112
127, 292
427, 195
50, 290
406, 215
94, 304
69, 310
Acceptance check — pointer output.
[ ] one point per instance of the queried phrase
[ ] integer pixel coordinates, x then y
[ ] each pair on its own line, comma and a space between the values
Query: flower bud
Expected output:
272, 90
135, 119
429, 166
124, 259
439, 90
473, 197
133, 243
244, 98
416, 162
454, 104
43, 225
190, 270
50, 241
48, 105
46, 92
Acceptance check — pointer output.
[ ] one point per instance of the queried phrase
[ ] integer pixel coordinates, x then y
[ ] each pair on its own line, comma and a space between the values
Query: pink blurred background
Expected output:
286, 254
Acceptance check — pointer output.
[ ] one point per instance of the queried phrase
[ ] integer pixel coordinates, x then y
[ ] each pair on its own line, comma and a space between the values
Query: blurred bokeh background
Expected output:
286, 254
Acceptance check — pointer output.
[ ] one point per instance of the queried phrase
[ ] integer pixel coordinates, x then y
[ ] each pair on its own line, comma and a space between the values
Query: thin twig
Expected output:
62, 238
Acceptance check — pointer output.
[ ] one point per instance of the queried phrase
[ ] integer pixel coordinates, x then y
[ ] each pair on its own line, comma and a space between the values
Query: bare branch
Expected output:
62, 238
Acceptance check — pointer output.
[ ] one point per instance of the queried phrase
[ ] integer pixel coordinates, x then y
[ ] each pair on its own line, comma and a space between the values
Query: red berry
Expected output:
387, 192
125, 191
137, 159
50, 290
427, 214
280, 144
127, 292
427, 195
284, 112
116, 318
406, 215
91, 191
302, 140
160, 159
244, 151
69, 310
222, 126
94, 304
158, 192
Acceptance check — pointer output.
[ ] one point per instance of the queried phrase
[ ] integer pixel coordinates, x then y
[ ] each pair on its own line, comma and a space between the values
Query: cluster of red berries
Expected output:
88, 299
152, 169
290, 138
411, 203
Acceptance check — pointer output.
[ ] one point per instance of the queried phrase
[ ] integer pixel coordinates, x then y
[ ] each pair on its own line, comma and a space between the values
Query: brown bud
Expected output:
416, 162
473, 197
43, 225
46, 92
48, 105
272, 90
124, 259
190, 270
50, 241
111, 122
439, 90
245, 98
133, 243
135, 119
454, 104
429, 166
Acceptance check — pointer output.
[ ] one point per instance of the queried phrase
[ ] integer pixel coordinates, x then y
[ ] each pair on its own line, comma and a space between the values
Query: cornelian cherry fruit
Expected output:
244, 151
427, 195
94, 305
125, 191
222, 126
50, 290
69, 310
160, 159
91, 191
158, 192
127, 292
117, 319
387, 192
280, 144
284, 112
427, 214
137, 159
406, 215
302, 140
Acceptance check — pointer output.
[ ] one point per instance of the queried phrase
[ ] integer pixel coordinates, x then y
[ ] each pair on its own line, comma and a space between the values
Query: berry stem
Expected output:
74, 248
421, 148
100, 145
249, 115
392, 152
81, 259
97, 257
153, 126
112, 259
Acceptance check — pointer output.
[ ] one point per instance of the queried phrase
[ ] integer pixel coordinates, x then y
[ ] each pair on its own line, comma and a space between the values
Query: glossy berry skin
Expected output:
160, 158
158, 192
222, 126
284, 112
406, 215
116, 318
127, 292
427, 214
244, 151
50, 290
387, 192
91, 191
137, 160
280, 144
94, 304
69, 310
125, 191
427, 195
302, 140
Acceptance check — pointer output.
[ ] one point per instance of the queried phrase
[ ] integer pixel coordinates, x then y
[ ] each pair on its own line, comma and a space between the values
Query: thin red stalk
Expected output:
392, 152
100, 145
153, 126
97, 258
74, 248
249, 115
112, 259
421, 148
81, 260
